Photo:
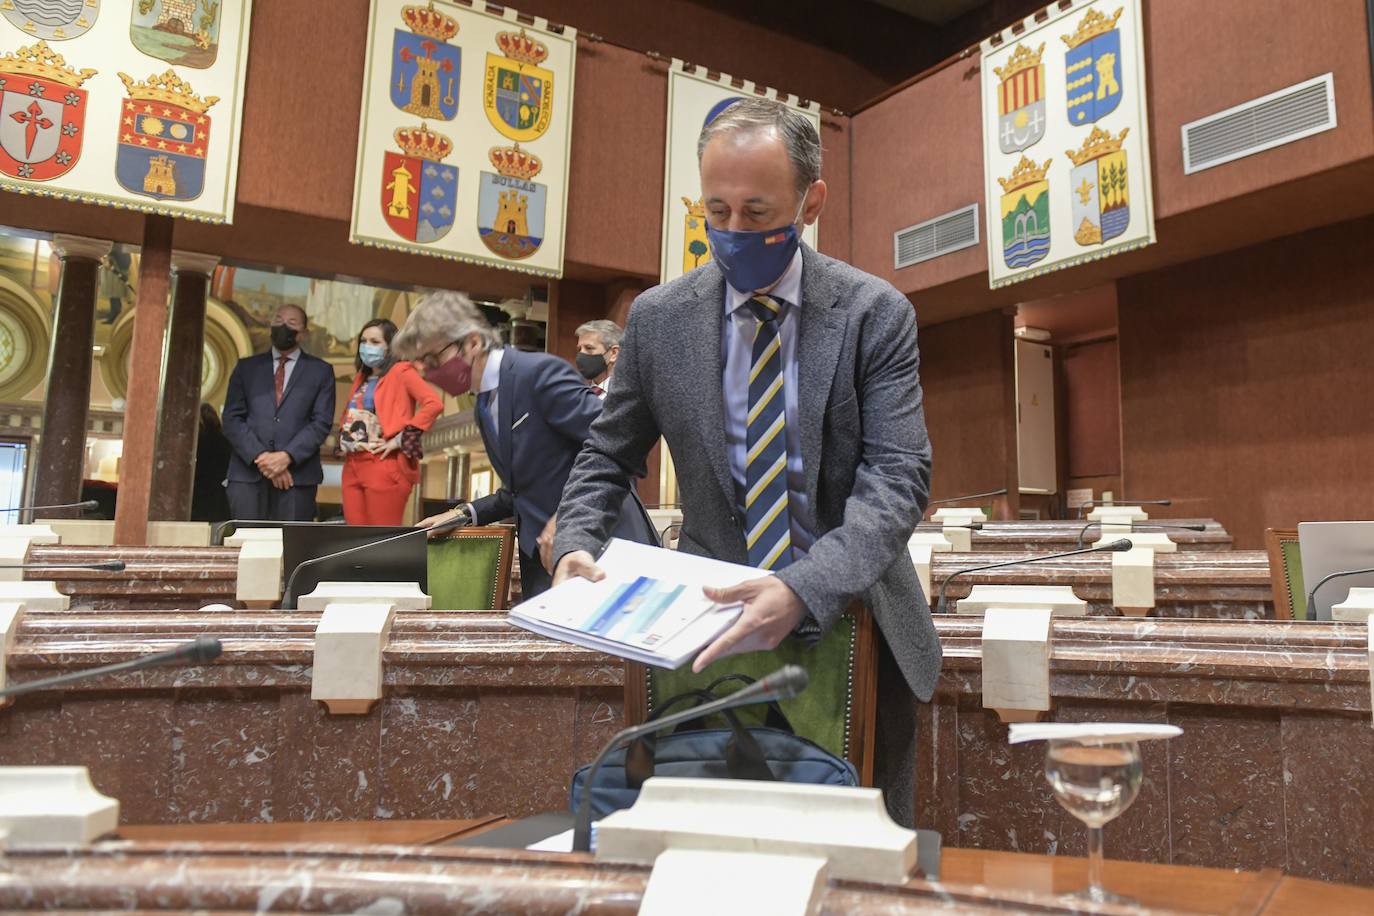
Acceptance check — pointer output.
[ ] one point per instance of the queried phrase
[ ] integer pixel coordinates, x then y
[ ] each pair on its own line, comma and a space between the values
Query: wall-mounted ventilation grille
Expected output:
934, 237
1278, 118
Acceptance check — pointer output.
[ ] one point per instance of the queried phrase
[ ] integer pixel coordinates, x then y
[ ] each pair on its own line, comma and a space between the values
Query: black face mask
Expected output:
591, 364
283, 337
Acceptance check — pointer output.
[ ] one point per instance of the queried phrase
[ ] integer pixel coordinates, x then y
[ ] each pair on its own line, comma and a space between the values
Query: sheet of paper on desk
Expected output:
650, 607
559, 842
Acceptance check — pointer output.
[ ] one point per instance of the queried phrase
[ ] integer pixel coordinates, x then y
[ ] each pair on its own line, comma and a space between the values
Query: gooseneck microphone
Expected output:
83, 506
1082, 533
101, 566
783, 684
1312, 595
1123, 502
1116, 546
198, 651
958, 499
289, 593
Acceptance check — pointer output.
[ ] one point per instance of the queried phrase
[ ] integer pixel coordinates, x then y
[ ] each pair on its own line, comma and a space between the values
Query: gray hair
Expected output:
611, 334
797, 133
440, 318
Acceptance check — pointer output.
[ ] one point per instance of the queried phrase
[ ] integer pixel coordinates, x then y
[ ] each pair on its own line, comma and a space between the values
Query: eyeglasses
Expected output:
432, 360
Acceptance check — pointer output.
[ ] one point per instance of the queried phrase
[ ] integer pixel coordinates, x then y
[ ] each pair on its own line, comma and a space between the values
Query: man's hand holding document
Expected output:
648, 608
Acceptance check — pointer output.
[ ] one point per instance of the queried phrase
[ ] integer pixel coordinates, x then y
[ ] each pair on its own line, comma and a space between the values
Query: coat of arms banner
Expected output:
1066, 152
129, 103
694, 100
464, 135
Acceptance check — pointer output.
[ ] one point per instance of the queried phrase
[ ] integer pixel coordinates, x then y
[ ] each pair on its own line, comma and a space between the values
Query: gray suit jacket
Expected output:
863, 438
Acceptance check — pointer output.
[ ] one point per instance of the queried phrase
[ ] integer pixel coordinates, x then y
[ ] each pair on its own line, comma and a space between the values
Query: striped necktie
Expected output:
768, 525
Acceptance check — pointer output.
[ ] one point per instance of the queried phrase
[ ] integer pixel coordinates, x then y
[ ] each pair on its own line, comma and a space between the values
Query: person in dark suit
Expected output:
208, 501
785, 384
534, 413
279, 409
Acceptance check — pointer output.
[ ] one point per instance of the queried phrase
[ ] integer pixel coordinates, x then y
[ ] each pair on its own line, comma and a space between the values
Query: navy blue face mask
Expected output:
755, 260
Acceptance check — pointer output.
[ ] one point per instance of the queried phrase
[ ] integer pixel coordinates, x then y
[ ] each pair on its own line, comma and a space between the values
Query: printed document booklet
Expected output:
649, 608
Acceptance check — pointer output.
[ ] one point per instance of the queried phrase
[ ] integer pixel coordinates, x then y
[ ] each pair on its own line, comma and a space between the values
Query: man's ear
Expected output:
613, 353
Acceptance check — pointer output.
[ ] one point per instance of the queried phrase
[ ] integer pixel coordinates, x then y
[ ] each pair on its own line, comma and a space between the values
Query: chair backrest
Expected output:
1285, 572
469, 569
835, 711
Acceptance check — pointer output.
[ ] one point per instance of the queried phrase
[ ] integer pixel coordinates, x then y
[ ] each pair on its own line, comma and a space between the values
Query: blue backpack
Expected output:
770, 753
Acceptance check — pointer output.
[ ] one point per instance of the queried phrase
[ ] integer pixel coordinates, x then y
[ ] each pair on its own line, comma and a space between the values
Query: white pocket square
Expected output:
519, 421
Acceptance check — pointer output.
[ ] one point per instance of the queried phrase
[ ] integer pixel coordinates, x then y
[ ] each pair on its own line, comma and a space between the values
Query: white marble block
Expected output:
921, 547
848, 828
259, 571
53, 806
36, 595
1117, 514
242, 536
179, 534
82, 532
1157, 541
687, 882
38, 533
1058, 599
1133, 581
15, 541
10, 612
958, 517
1356, 607
404, 596
347, 667
1016, 662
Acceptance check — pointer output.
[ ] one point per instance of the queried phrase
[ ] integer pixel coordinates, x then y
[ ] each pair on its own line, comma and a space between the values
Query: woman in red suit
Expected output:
387, 411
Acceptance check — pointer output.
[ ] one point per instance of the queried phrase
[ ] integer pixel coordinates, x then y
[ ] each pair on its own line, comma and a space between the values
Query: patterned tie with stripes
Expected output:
768, 525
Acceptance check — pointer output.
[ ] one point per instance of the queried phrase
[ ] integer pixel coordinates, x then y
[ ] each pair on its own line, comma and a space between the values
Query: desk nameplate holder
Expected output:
957, 525
15, 541
710, 842
1358, 607
347, 671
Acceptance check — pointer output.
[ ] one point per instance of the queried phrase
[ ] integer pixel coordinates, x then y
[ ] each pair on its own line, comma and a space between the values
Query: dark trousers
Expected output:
894, 739
262, 501
534, 578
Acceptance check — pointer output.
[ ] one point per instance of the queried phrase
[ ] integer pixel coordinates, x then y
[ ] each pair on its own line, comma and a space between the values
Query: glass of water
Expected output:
1094, 781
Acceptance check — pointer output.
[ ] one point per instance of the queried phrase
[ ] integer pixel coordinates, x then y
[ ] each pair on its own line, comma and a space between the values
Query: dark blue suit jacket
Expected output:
254, 423
544, 415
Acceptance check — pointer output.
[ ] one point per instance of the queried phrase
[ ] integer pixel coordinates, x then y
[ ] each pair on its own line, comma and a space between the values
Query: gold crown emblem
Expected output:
513, 162
423, 142
167, 88
1025, 173
1091, 26
1098, 144
42, 61
521, 47
429, 21
1023, 58
695, 208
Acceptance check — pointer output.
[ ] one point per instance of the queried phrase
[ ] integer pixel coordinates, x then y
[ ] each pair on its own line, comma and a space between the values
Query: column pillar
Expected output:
145, 376
61, 457
459, 465
179, 394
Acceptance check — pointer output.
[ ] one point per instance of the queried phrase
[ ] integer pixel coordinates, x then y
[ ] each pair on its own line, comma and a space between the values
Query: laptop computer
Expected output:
386, 557
1329, 547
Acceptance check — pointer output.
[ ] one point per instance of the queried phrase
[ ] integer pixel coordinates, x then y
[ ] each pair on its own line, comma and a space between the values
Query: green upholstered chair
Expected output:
835, 711
1285, 572
469, 570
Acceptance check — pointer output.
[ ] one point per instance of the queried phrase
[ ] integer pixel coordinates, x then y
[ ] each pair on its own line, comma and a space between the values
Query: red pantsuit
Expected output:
376, 490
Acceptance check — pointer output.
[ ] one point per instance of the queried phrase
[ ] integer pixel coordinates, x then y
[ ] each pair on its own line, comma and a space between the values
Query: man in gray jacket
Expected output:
785, 384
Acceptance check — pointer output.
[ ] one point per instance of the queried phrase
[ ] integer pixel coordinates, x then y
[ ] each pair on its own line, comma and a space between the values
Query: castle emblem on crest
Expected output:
1025, 213
1092, 68
1021, 100
164, 137
181, 32
419, 192
518, 93
51, 20
42, 113
510, 206
1101, 203
424, 67
696, 248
